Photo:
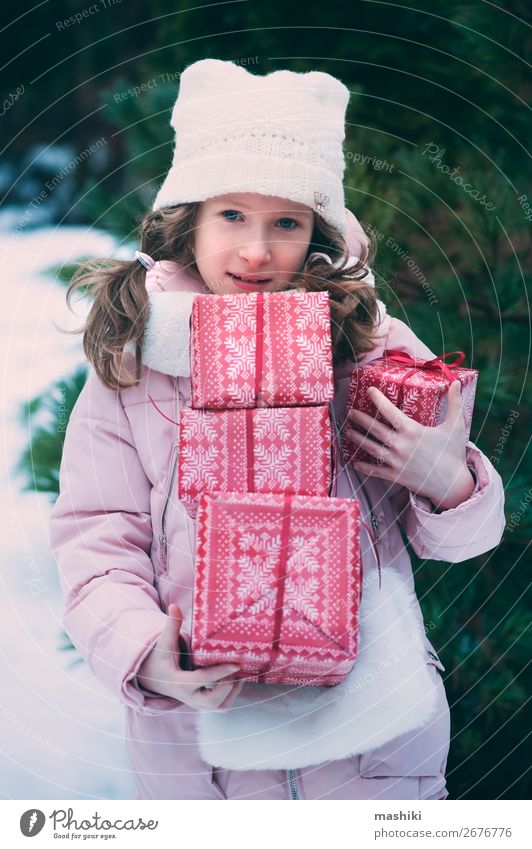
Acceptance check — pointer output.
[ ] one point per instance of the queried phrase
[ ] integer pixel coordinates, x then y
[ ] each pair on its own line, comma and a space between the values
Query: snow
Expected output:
61, 732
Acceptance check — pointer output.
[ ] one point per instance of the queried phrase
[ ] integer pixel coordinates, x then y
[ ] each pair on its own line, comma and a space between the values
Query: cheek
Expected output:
294, 255
208, 248
211, 244
198, 244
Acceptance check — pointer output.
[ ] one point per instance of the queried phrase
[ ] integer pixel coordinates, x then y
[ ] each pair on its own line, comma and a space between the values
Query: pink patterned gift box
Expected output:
262, 349
281, 449
417, 387
277, 586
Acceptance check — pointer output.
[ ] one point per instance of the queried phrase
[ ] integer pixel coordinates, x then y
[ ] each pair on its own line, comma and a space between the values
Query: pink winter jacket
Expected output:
124, 545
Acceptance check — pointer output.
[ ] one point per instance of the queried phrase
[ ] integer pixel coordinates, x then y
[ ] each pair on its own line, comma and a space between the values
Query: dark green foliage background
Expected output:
443, 73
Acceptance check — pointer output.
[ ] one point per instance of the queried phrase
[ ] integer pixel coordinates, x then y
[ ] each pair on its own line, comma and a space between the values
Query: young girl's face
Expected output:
248, 235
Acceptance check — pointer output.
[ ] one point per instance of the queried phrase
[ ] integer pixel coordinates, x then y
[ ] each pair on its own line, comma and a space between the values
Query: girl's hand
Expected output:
429, 461
160, 672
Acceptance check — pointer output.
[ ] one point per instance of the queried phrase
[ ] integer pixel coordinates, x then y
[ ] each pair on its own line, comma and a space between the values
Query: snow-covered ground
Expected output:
61, 732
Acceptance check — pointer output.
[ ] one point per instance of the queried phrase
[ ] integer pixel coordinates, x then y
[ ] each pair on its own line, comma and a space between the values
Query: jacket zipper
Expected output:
163, 541
375, 525
292, 784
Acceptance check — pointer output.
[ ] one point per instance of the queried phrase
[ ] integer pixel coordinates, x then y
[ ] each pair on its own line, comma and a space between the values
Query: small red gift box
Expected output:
417, 387
281, 449
277, 586
262, 349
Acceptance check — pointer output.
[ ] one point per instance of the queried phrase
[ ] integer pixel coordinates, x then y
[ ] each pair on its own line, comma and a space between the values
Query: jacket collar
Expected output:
166, 343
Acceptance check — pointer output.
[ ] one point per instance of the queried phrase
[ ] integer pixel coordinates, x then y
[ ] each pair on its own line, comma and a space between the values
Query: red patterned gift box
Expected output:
417, 387
277, 586
281, 449
262, 349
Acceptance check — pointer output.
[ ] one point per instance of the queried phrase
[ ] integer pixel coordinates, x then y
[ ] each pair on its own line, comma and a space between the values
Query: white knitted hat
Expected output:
279, 134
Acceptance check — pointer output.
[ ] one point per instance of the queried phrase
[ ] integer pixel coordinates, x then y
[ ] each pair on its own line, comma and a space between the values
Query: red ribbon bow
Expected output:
436, 364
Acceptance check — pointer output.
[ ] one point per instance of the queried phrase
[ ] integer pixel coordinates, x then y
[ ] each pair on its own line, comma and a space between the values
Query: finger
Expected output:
372, 446
169, 639
380, 451
211, 674
373, 426
223, 695
384, 406
213, 698
233, 695
369, 446
373, 470
455, 401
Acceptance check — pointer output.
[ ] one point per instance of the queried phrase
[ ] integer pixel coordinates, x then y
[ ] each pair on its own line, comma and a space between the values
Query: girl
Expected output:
254, 202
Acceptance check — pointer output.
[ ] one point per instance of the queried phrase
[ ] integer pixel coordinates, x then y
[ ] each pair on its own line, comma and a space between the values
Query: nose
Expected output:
255, 253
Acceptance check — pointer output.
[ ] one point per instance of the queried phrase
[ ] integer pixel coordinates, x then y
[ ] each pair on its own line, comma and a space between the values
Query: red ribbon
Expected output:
281, 584
250, 454
436, 364
161, 412
259, 346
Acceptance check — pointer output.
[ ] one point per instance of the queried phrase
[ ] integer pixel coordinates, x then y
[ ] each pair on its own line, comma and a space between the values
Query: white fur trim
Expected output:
382, 310
388, 692
167, 335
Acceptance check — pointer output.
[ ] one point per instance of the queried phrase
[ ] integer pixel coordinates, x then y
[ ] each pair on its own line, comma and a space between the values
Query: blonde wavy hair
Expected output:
119, 311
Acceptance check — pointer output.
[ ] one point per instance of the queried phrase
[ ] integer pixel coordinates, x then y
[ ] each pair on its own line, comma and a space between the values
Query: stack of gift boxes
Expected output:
277, 579
278, 575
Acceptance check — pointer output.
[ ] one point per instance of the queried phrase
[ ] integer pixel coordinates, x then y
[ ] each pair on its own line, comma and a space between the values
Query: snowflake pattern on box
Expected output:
281, 449
238, 545
296, 363
420, 393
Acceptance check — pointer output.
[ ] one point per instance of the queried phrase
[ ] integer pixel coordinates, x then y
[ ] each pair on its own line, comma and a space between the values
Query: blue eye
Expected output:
234, 215
230, 212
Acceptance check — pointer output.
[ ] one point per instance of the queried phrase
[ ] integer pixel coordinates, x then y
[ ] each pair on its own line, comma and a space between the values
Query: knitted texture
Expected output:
280, 134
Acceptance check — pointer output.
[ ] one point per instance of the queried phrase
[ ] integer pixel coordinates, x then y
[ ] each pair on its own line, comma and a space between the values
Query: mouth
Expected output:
250, 279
